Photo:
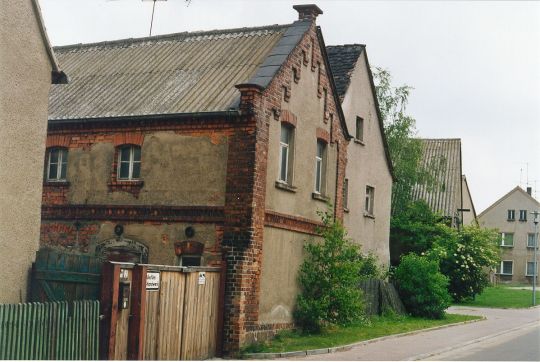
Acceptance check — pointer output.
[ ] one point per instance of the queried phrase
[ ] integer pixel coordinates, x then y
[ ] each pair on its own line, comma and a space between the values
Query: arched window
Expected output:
56, 164
129, 162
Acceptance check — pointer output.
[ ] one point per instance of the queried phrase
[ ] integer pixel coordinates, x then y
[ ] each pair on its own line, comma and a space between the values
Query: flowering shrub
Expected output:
465, 257
422, 287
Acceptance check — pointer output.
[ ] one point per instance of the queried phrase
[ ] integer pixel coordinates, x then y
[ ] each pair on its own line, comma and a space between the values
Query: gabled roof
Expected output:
343, 60
511, 192
442, 157
169, 74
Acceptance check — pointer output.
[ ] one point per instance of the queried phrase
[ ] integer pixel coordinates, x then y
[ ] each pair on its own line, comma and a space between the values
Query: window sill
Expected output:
346, 210
62, 183
320, 197
135, 183
504, 274
510, 220
531, 247
368, 215
360, 142
506, 246
522, 220
286, 187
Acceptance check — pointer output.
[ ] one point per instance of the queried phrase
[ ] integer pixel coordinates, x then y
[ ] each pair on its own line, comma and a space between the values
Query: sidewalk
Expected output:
498, 322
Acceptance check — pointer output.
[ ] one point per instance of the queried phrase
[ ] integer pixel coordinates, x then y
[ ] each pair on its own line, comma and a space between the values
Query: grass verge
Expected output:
503, 297
288, 341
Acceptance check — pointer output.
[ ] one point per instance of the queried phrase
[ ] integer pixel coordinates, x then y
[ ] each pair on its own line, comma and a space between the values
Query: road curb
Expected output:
347, 347
477, 340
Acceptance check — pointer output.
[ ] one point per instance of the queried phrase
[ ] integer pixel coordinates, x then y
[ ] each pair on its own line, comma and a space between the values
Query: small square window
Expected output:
522, 215
511, 215
57, 164
530, 269
507, 239
506, 267
370, 200
359, 129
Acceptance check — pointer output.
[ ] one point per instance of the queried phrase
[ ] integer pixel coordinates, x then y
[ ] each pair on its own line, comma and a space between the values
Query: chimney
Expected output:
308, 11
529, 190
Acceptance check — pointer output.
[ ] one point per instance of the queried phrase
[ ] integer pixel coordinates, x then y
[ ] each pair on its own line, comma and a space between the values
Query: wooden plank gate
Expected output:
156, 312
49, 331
59, 276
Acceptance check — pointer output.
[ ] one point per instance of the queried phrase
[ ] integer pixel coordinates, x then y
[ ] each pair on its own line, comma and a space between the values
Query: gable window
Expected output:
522, 215
129, 162
320, 167
530, 269
370, 200
57, 164
511, 215
507, 239
346, 194
506, 267
531, 240
286, 153
359, 129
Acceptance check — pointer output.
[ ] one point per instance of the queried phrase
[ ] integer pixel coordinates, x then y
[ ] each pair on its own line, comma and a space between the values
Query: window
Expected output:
530, 240
507, 239
511, 215
530, 269
370, 200
506, 267
522, 215
320, 167
359, 129
57, 164
286, 154
346, 194
129, 163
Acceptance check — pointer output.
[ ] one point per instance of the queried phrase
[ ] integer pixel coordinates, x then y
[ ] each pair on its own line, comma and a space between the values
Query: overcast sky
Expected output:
474, 66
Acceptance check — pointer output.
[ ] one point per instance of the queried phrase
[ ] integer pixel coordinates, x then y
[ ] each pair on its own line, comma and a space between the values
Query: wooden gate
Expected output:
156, 312
58, 276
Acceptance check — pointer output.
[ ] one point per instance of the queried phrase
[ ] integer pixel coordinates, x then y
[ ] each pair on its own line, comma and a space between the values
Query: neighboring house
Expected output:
229, 139
512, 216
450, 196
368, 180
27, 68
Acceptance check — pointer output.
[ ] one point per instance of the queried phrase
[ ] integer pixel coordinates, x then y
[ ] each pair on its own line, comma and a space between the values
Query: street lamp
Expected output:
535, 267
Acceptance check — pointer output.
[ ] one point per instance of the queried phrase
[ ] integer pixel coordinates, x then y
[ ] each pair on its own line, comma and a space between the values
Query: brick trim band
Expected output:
197, 214
291, 223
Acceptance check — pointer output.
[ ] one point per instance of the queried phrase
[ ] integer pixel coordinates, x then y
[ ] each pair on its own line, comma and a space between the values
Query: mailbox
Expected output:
124, 295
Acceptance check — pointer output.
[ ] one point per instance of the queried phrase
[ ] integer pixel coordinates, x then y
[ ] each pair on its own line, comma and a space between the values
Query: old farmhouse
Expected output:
215, 147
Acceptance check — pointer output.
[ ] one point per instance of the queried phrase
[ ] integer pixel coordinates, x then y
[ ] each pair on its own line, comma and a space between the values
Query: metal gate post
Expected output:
138, 312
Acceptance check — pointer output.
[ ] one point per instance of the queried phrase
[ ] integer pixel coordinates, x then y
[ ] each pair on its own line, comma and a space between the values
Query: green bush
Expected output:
329, 278
421, 286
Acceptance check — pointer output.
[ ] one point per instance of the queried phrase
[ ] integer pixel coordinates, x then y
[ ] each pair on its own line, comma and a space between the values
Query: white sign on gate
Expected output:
202, 278
152, 280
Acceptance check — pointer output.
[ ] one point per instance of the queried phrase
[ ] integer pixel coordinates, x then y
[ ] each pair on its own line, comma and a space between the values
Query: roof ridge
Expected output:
347, 45
184, 34
439, 139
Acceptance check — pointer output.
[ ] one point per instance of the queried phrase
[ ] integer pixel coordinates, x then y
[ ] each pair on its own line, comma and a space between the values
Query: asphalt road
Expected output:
505, 332
520, 345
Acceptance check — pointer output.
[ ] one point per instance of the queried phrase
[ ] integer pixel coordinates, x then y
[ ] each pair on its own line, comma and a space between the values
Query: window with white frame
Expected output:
129, 162
370, 200
286, 144
506, 267
507, 239
522, 215
359, 129
57, 164
511, 215
320, 167
531, 241
530, 269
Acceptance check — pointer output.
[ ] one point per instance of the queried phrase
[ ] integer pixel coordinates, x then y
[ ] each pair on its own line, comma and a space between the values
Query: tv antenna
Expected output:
153, 9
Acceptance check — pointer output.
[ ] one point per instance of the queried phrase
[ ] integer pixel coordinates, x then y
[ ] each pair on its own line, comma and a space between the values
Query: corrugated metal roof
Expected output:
442, 157
177, 73
342, 60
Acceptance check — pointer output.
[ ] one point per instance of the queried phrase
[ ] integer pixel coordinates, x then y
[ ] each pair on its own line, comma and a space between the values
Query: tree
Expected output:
400, 131
329, 278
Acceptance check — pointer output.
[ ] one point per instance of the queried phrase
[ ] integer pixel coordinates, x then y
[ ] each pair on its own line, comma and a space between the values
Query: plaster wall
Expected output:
366, 166
176, 170
282, 255
25, 79
496, 218
469, 218
309, 110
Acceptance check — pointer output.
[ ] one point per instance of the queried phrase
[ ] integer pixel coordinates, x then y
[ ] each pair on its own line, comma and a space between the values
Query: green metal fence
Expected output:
50, 331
